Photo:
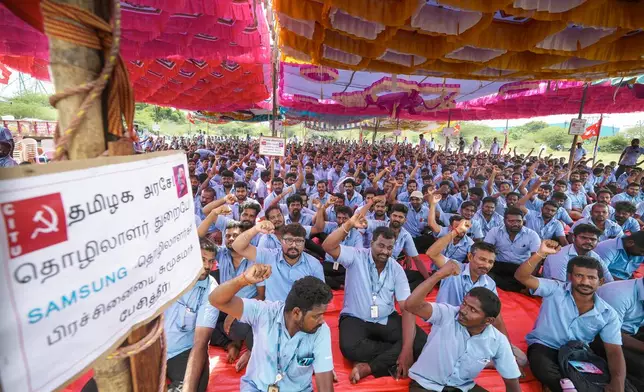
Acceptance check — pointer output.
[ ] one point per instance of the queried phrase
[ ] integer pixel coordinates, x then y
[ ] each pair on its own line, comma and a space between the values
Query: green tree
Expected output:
615, 143
554, 137
29, 105
635, 132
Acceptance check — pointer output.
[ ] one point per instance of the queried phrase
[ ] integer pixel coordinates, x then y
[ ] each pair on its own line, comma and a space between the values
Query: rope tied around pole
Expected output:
155, 334
78, 26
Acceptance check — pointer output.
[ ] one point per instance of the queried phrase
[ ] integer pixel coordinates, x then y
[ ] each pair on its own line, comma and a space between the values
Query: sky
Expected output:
621, 121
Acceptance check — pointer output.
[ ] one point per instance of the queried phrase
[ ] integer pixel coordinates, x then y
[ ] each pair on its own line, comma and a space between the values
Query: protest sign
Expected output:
91, 249
577, 126
272, 146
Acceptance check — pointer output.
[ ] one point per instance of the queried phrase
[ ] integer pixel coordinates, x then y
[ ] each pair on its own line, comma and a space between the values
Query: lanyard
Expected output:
201, 290
281, 371
374, 291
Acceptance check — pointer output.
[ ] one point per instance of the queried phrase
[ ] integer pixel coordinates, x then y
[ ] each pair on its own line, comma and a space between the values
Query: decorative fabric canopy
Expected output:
467, 39
364, 94
189, 54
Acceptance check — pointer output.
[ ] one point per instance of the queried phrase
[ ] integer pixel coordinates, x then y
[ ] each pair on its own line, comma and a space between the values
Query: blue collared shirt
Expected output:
495, 221
535, 221
586, 212
227, 271
456, 251
449, 204
324, 199
362, 282
475, 231
611, 229
634, 200
403, 241
300, 355
416, 220
454, 288
353, 202
578, 200
190, 311
353, 239
221, 223
525, 243
620, 263
559, 320
631, 225
556, 266
452, 357
283, 275
627, 298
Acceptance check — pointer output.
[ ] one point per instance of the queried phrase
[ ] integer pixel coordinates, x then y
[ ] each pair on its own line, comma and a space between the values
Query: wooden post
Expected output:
449, 122
375, 130
574, 139
71, 66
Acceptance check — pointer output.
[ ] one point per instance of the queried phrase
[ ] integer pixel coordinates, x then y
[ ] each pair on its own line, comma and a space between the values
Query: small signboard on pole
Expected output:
272, 146
577, 126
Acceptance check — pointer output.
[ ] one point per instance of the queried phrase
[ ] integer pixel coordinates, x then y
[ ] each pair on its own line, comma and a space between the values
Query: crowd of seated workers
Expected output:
357, 217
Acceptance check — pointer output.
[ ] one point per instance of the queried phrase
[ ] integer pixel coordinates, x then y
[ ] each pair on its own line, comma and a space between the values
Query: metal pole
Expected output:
574, 139
599, 131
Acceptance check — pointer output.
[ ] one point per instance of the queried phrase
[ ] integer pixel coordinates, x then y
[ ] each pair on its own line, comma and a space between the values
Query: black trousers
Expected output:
334, 278
376, 344
634, 360
414, 278
503, 275
175, 371
238, 332
415, 387
544, 363
620, 170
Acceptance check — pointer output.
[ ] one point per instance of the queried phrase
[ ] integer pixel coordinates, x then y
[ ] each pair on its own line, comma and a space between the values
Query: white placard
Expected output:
577, 126
449, 131
272, 146
90, 249
397, 132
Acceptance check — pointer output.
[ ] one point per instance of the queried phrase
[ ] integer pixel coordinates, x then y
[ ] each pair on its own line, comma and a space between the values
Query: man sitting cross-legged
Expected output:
463, 339
473, 274
372, 334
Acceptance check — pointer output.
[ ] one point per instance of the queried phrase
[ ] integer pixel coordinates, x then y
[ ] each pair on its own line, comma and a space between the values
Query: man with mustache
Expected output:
585, 239
217, 219
514, 244
599, 218
622, 256
289, 262
570, 311
463, 339
292, 341
372, 334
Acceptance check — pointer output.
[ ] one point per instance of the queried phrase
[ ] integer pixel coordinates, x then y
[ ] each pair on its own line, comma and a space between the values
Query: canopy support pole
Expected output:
375, 130
574, 139
449, 122
273, 120
72, 65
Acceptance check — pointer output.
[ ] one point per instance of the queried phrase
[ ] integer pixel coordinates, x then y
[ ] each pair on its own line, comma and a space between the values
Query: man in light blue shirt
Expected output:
352, 198
417, 221
570, 311
487, 217
603, 196
289, 263
623, 256
577, 196
624, 212
584, 240
230, 333
599, 219
627, 298
371, 331
631, 194
463, 339
334, 273
294, 203
292, 341
514, 244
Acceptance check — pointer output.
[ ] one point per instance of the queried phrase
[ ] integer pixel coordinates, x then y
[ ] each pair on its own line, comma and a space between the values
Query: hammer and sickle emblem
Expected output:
51, 225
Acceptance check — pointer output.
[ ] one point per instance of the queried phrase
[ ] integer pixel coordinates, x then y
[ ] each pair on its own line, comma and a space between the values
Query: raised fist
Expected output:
257, 273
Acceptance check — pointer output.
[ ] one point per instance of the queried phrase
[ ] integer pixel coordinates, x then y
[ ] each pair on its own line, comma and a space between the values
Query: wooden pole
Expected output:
71, 66
375, 130
599, 131
449, 122
574, 139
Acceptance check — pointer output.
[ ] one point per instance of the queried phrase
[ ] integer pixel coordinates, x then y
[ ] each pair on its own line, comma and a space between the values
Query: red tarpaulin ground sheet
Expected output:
519, 313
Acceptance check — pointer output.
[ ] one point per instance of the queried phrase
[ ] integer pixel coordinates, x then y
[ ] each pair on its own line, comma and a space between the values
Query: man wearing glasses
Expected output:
289, 263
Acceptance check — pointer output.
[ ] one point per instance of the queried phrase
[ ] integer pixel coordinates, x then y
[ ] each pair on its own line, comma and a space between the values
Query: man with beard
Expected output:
514, 244
603, 196
202, 200
599, 219
404, 241
627, 298
372, 334
189, 324
463, 339
261, 187
279, 193
334, 273
217, 220
623, 256
226, 186
416, 222
570, 311
624, 212
230, 333
241, 193
631, 194
487, 217
352, 198
322, 195
294, 203
544, 223
292, 341
289, 262
629, 156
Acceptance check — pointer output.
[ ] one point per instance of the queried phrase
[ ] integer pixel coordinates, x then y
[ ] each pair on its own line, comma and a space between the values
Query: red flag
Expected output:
593, 130
192, 120
4, 74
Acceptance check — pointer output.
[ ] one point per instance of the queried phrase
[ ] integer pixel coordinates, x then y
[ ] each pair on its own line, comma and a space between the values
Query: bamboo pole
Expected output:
449, 122
574, 139
72, 65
